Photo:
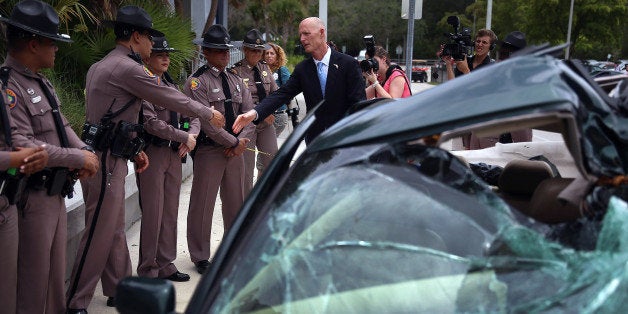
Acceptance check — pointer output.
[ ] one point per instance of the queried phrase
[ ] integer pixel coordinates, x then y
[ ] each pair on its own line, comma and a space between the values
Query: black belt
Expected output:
204, 140
158, 141
279, 111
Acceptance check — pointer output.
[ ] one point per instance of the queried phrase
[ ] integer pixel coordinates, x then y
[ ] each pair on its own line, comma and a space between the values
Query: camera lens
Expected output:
365, 65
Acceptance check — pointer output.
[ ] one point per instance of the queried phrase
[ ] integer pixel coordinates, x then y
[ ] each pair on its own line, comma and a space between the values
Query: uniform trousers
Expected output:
8, 260
212, 170
107, 257
159, 187
42, 254
265, 140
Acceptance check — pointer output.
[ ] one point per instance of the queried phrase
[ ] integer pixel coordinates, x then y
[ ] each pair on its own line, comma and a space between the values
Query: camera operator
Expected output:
386, 80
485, 41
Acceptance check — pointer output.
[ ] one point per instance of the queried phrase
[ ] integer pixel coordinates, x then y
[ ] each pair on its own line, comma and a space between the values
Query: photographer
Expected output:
386, 80
485, 41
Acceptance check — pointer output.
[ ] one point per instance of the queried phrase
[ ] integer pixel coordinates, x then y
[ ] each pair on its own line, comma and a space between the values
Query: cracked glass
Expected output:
407, 228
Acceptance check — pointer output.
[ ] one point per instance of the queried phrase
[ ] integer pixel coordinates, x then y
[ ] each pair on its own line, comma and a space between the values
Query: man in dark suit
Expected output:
328, 75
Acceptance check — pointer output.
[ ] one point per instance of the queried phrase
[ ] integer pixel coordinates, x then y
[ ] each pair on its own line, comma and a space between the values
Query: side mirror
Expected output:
141, 295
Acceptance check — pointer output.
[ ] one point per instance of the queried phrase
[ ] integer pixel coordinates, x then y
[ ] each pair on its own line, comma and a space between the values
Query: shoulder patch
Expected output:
11, 98
232, 70
148, 72
194, 83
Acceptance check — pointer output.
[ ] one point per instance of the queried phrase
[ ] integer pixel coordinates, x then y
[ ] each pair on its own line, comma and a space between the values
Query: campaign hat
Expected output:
160, 44
254, 40
38, 18
216, 37
515, 39
134, 17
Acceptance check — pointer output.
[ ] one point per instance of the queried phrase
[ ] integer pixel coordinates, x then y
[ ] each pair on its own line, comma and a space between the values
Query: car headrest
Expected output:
523, 176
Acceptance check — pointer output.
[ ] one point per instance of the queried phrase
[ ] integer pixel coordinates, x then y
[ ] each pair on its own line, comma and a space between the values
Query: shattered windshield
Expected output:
406, 229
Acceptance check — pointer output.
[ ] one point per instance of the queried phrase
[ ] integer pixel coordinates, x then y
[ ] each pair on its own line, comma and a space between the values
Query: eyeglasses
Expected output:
484, 42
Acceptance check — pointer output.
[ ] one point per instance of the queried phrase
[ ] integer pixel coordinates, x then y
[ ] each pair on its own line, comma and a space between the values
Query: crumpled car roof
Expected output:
516, 86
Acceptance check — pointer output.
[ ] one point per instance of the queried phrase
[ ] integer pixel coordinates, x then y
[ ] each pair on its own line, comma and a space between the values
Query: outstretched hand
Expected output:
243, 120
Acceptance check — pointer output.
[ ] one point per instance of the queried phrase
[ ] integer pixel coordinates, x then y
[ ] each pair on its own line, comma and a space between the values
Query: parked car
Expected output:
420, 70
603, 73
382, 213
622, 66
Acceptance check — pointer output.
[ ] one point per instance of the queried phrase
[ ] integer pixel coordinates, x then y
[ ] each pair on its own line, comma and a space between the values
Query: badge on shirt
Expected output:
148, 72
30, 91
11, 98
36, 99
264, 73
238, 87
194, 83
245, 80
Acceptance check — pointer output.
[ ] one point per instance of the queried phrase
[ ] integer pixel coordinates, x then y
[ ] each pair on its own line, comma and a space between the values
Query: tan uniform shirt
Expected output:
117, 79
207, 89
157, 122
244, 70
31, 114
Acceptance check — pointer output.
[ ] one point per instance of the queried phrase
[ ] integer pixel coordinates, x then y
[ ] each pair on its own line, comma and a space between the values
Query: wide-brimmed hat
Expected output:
515, 39
160, 44
216, 37
38, 18
135, 17
253, 40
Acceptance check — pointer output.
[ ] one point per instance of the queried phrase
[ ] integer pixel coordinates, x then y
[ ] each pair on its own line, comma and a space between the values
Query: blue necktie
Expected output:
321, 76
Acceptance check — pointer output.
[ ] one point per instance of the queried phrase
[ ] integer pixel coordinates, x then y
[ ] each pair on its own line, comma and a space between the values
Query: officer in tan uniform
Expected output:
259, 79
13, 166
218, 161
32, 36
114, 88
169, 137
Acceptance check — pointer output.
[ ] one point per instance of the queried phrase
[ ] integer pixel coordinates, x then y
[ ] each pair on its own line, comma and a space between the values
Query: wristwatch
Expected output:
89, 149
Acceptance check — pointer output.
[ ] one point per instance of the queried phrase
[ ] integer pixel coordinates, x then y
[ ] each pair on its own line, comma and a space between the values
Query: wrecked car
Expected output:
383, 212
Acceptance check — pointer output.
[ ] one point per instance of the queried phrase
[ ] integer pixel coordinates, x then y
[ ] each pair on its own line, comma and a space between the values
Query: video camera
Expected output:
369, 63
460, 44
293, 113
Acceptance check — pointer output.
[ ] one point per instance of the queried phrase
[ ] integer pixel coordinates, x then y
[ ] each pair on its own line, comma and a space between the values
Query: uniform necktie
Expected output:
229, 115
261, 92
4, 77
56, 114
321, 76
173, 119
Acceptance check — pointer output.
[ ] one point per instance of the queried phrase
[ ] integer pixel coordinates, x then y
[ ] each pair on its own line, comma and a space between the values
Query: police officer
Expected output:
32, 36
259, 79
13, 165
218, 160
114, 89
168, 141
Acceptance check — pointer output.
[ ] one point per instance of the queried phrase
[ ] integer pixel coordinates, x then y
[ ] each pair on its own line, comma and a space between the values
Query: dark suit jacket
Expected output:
344, 87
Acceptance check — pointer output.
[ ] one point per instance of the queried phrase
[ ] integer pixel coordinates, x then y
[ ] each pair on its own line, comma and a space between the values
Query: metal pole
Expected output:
489, 13
322, 13
410, 40
569, 31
